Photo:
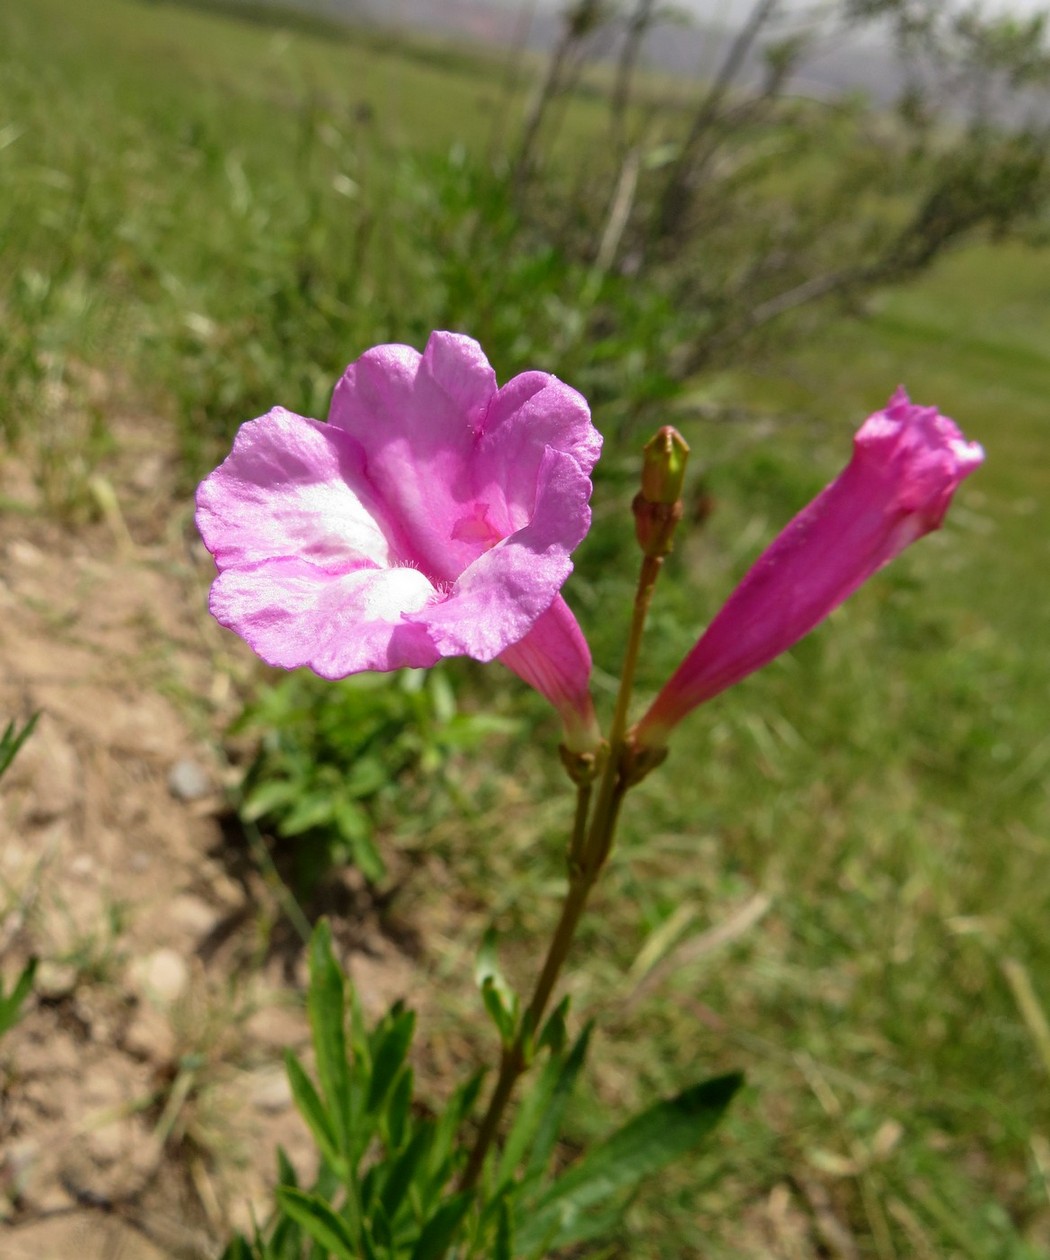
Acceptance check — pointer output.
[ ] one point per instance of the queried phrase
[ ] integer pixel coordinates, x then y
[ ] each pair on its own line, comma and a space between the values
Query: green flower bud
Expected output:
658, 507
663, 472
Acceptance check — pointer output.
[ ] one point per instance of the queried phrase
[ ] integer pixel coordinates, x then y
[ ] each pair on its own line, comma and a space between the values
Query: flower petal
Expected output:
554, 659
496, 599
531, 412
907, 463
292, 487
292, 613
417, 418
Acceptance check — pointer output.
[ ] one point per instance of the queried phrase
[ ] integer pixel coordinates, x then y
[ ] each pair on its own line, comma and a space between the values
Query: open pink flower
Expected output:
907, 463
433, 515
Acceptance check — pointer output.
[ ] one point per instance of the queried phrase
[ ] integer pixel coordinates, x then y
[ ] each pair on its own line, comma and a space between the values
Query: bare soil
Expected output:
142, 1095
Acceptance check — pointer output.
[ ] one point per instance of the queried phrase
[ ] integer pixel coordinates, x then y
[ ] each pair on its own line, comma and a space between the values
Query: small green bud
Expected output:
663, 472
658, 507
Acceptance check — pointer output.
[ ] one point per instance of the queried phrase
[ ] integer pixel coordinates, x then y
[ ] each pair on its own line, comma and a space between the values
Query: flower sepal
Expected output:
584, 767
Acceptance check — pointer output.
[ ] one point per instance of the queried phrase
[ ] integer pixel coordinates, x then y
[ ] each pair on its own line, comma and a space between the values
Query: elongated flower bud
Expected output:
907, 463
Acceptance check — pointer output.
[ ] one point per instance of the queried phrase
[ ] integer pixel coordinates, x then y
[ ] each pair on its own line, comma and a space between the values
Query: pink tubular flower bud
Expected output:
907, 463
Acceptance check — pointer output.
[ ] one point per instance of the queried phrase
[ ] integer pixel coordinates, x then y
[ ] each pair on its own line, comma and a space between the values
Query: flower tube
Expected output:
554, 659
907, 463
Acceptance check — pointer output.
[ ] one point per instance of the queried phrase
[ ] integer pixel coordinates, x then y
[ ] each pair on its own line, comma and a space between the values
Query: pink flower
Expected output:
907, 463
433, 515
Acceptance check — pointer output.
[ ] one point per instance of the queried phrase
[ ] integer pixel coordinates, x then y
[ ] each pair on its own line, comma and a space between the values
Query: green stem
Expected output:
651, 566
612, 787
579, 825
588, 852
512, 1062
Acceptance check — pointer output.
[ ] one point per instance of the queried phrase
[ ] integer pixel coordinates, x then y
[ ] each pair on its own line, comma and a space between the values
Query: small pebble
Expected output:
164, 975
82, 866
187, 781
55, 980
270, 1091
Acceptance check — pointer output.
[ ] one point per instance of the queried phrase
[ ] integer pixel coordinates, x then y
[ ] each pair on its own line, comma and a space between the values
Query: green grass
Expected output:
202, 211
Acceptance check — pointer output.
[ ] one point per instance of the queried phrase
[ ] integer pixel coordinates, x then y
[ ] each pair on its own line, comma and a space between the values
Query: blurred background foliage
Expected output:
839, 881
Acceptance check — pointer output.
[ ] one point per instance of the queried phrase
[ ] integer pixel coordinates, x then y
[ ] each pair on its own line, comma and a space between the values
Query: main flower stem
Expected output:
513, 1061
588, 852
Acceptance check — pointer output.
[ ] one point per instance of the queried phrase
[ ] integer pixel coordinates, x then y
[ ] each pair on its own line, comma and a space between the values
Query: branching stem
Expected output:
588, 851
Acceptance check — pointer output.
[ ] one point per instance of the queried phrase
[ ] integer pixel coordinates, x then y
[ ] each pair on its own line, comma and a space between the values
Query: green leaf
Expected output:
368, 1252
286, 1242
313, 1112
444, 1150
380, 1228
367, 775
398, 1109
389, 1056
359, 1039
505, 1019
11, 1003
503, 1247
319, 1221
440, 1231
554, 1033
580, 1229
501, 1002
309, 812
643, 1146
11, 741
353, 822
404, 1169
268, 798
286, 1175
325, 1006
239, 1249
527, 1117
366, 857
487, 967
550, 1119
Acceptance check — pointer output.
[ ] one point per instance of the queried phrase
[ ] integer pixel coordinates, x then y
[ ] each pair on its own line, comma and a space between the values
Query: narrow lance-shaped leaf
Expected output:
550, 1122
389, 1056
440, 1231
643, 1146
312, 1110
12, 740
404, 1169
326, 1009
397, 1111
503, 1248
11, 1003
319, 1221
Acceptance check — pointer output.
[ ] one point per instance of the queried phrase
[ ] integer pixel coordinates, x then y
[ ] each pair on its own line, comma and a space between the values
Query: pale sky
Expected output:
732, 10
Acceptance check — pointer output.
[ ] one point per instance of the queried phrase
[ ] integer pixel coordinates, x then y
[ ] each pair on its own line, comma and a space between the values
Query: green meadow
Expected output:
840, 882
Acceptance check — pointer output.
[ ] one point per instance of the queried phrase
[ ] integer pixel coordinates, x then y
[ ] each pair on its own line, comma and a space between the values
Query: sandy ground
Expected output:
141, 1096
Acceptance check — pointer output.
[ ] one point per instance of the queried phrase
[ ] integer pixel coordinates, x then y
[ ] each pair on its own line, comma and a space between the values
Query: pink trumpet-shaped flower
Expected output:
907, 463
433, 515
